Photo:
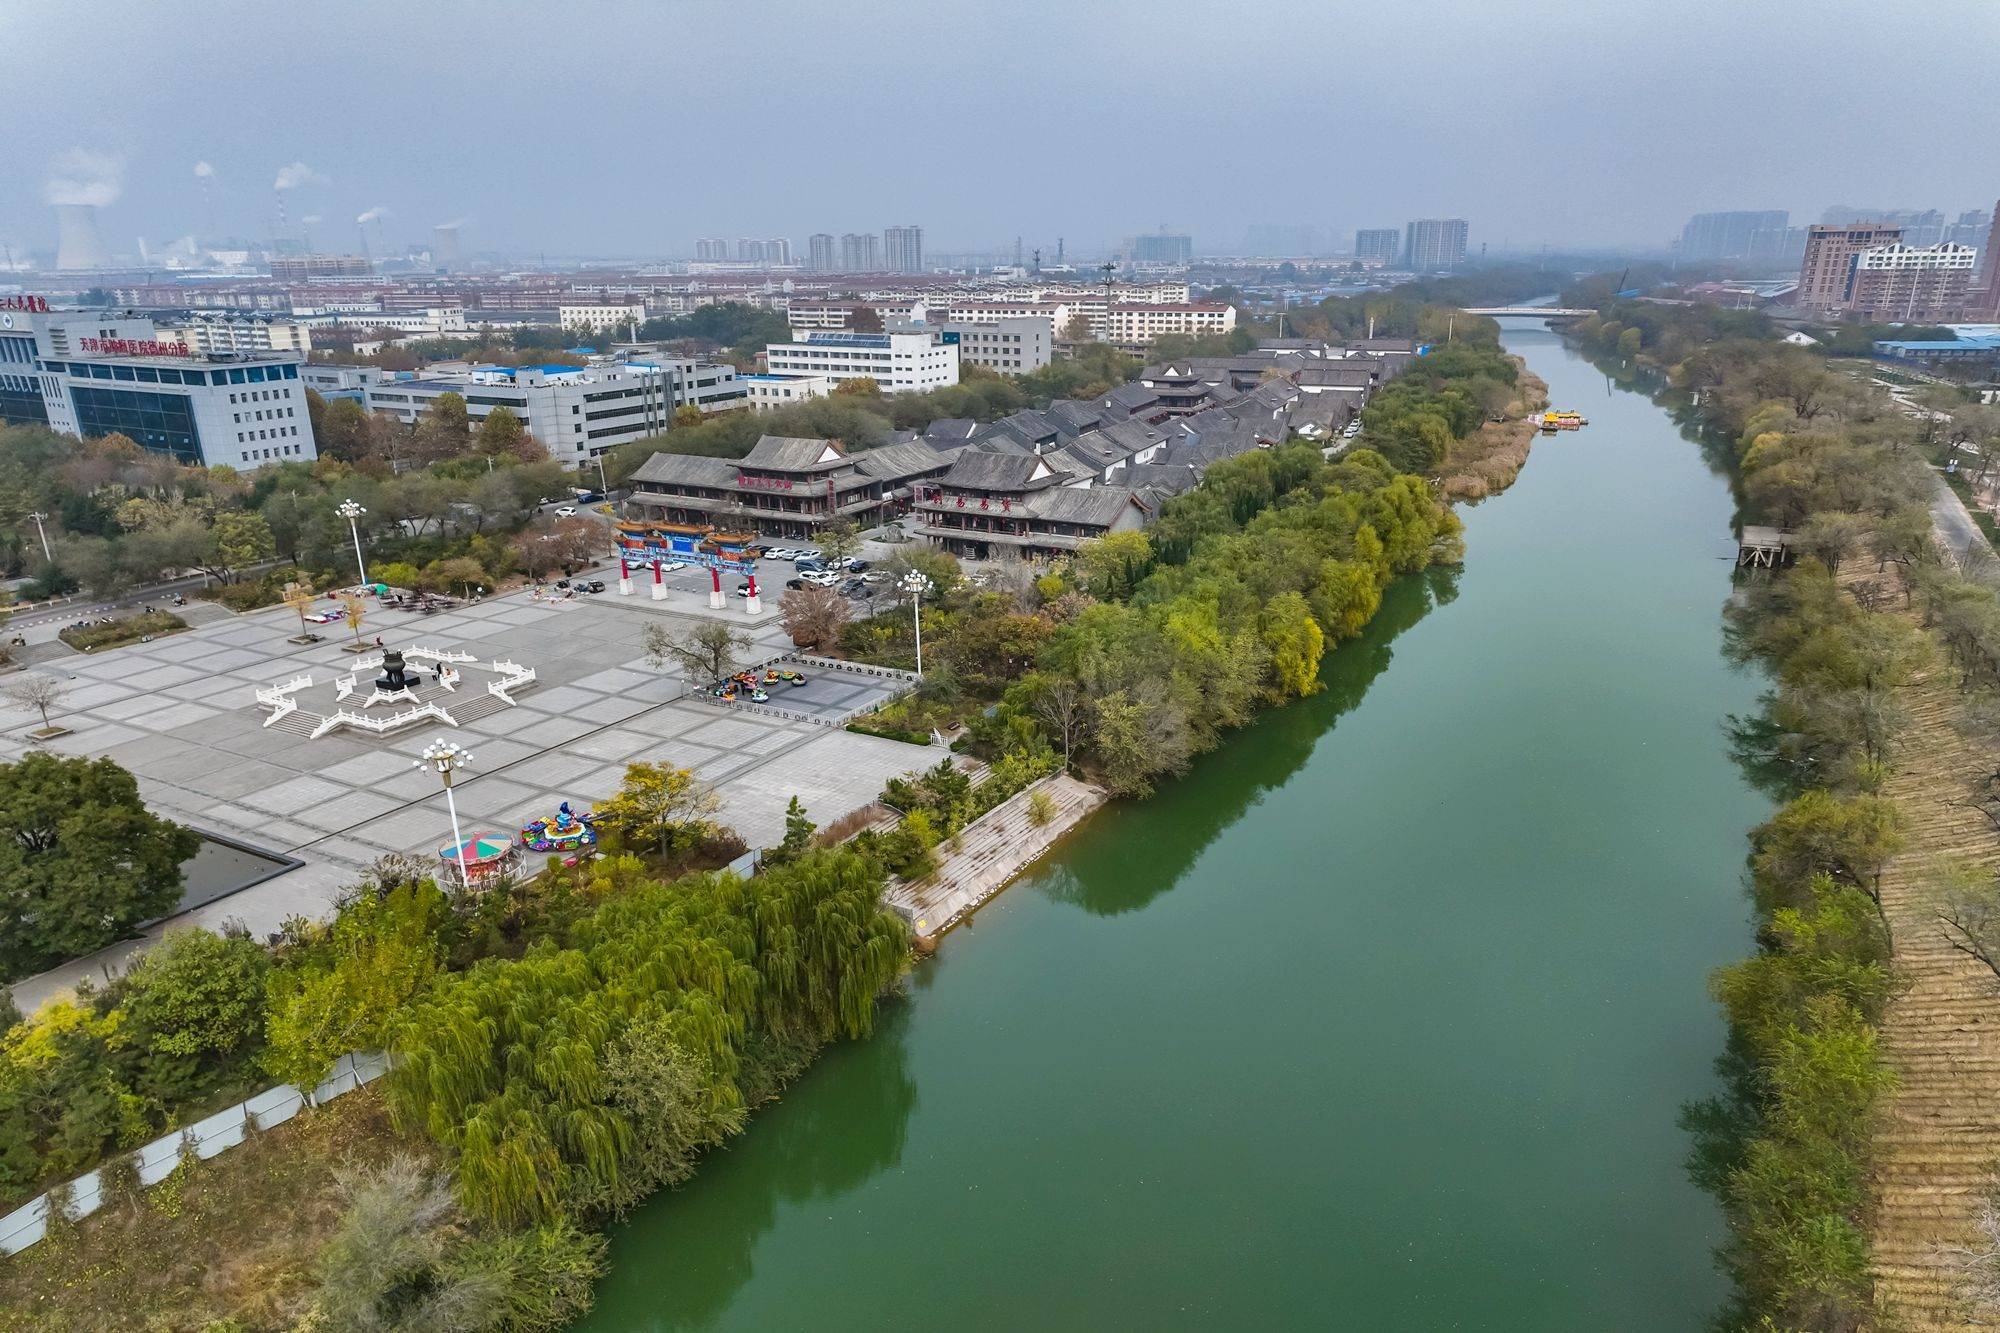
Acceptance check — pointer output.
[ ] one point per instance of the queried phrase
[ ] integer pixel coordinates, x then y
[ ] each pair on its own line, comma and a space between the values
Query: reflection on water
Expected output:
218, 869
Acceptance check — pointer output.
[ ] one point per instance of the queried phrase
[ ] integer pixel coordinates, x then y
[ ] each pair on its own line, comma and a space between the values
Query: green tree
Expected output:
1295, 642
82, 861
339, 986
655, 802
347, 433
798, 838
501, 432
241, 539
1112, 565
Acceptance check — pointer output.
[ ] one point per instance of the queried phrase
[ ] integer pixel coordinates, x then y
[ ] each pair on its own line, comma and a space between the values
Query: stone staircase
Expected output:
992, 851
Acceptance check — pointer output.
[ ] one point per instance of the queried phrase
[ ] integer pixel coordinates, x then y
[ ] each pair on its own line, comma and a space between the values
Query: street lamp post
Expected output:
444, 758
917, 585
38, 516
352, 512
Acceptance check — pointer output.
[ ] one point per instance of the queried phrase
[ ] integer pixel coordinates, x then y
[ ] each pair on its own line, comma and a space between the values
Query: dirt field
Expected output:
234, 1240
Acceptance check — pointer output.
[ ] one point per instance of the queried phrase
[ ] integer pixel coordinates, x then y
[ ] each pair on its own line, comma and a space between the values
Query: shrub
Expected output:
128, 629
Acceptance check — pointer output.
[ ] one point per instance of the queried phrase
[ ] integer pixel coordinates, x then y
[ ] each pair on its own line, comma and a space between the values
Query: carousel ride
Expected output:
565, 833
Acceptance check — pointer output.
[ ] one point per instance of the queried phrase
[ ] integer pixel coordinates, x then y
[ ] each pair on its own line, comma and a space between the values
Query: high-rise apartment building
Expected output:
1910, 283
711, 250
1986, 298
903, 249
857, 252
1433, 243
1831, 250
1970, 229
1162, 247
1377, 245
1734, 235
820, 254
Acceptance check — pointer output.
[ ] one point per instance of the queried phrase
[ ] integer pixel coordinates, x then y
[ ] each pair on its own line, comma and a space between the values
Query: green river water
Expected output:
1380, 1019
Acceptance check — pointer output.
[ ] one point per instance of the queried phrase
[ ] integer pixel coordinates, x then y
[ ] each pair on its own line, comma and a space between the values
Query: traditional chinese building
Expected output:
993, 505
785, 487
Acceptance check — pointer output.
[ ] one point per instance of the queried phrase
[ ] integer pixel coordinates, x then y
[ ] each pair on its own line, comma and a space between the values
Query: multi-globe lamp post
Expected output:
445, 758
917, 585
352, 512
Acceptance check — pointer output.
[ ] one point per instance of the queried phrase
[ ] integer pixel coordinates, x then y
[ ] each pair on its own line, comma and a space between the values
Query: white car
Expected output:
670, 566
781, 553
566, 511
822, 578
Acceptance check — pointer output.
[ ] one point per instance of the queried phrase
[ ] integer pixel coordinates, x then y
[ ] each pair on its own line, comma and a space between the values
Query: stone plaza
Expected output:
182, 714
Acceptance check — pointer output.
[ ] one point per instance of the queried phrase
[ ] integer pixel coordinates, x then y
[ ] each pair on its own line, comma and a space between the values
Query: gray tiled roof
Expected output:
983, 470
899, 462
791, 453
686, 470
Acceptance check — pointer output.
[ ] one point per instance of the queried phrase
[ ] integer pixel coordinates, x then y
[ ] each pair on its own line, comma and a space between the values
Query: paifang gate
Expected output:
658, 544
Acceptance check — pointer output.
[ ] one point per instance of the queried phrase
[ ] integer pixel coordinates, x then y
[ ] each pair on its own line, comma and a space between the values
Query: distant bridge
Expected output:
1529, 312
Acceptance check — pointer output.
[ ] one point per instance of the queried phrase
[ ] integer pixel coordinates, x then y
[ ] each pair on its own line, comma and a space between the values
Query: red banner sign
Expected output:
133, 347
763, 483
35, 304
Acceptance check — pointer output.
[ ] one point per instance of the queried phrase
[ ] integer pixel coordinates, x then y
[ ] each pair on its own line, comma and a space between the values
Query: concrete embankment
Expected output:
991, 853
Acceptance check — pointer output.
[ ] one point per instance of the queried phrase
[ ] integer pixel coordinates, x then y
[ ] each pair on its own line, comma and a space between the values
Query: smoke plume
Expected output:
297, 174
375, 214
203, 171
83, 177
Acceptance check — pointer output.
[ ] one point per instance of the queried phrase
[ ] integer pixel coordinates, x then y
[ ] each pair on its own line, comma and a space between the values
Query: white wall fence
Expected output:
204, 1139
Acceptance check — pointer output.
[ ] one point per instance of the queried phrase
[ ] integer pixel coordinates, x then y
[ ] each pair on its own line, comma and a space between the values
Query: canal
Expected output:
1382, 1018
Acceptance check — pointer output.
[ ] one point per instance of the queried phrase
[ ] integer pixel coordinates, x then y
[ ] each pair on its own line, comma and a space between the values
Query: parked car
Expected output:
795, 583
809, 566
876, 576
597, 585
857, 566
669, 566
742, 590
565, 511
821, 578
853, 588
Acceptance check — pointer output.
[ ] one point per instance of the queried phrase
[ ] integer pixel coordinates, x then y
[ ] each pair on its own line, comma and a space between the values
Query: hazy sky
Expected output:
605, 128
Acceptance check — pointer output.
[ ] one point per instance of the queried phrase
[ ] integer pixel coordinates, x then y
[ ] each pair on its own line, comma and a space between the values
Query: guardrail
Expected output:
204, 1138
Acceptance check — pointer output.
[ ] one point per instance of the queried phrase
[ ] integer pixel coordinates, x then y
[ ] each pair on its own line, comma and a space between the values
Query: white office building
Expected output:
898, 362
619, 317
88, 375
218, 333
769, 392
575, 414
1011, 346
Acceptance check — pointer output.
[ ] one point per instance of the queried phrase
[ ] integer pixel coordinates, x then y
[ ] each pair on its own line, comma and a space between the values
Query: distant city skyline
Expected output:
1501, 135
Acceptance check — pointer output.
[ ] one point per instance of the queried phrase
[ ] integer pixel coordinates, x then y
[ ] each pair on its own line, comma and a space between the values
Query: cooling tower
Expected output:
78, 246
444, 246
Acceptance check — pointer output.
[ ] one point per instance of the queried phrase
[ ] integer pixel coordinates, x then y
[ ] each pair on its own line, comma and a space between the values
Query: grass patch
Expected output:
128, 629
234, 1239
907, 736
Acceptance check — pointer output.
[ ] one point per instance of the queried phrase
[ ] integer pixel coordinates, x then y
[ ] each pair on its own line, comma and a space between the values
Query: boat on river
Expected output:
1551, 422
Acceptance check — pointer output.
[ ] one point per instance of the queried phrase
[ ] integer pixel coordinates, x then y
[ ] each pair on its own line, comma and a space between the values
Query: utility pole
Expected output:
41, 532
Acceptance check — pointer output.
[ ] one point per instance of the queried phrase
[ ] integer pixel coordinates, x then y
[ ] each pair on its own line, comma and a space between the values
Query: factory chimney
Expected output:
78, 244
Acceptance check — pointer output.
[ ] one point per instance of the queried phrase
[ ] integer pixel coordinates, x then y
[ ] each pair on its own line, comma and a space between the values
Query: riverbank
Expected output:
1487, 461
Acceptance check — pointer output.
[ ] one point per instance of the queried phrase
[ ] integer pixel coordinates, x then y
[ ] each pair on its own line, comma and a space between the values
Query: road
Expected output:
1954, 524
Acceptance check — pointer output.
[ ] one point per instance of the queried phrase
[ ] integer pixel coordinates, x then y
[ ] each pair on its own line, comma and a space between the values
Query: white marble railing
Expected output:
378, 725
439, 654
512, 676
276, 694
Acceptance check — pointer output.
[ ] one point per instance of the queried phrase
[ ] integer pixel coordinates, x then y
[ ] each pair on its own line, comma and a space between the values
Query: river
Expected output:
1380, 1019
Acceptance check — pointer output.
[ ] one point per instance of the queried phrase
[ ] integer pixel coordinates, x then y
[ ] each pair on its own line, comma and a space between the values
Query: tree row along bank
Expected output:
568, 1044
1854, 1147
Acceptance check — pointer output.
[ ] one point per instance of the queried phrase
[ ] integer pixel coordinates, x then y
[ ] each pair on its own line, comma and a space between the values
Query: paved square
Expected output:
181, 713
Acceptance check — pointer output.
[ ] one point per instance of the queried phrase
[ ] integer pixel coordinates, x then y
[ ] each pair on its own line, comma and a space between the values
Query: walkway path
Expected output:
995, 849
1940, 1140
